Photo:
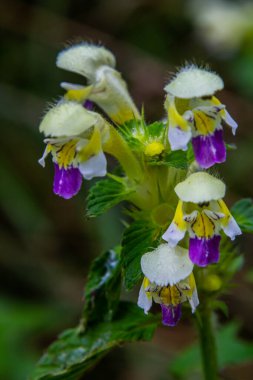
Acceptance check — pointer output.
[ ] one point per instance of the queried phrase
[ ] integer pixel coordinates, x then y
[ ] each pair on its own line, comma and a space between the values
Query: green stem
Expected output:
117, 147
208, 343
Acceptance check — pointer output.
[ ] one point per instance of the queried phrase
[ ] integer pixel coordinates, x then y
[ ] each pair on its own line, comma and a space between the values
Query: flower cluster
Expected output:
78, 136
202, 212
75, 134
168, 281
195, 114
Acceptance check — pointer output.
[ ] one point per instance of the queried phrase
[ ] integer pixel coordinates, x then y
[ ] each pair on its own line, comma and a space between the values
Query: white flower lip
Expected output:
166, 265
178, 138
94, 166
200, 187
194, 82
232, 229
68, 119
144, 301
85, 59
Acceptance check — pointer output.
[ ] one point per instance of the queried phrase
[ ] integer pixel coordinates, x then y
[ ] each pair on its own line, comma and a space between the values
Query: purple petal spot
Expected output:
67, 182
171, 314
88, 104
204, 251
209, 149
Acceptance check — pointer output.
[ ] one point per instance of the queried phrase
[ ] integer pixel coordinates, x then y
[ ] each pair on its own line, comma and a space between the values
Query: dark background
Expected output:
47, 243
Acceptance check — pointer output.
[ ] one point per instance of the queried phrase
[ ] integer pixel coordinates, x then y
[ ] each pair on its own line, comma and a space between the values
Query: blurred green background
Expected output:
47, 243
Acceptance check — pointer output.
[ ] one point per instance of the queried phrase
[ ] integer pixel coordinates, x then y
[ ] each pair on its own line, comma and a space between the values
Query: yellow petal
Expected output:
154, 148
92, 148
175, 119
204, 123
179, 216
225, 211
66, 154
203, 227
78, 95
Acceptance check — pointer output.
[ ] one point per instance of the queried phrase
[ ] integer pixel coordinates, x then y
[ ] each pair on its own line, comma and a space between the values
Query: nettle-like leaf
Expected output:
137, 133
75, 352
139, 238
243, 213
177, 159
156, 129
105, 194
133, 131
106, 324
102, 290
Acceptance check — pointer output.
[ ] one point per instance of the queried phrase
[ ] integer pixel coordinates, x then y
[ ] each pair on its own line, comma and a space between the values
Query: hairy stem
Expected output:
117, 147
208, 343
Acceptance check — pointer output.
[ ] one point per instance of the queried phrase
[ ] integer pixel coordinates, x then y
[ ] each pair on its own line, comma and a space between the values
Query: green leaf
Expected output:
189, 361
190, 154
231, 350
131, 129
139, 238
138, 134
105, 194
103, 287
243, 213
74, 352
155, 129
177, 159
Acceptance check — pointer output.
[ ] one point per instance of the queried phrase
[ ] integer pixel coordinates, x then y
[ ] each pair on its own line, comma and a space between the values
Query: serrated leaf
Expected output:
139, 238
243, 213
130, 129
102, 290
177, 159
155, 129
138, 134
104, 195
74, 352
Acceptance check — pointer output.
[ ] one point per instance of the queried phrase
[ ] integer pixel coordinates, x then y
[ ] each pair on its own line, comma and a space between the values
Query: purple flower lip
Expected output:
67, 182
209, 149
171, 314
88, 104
203, 251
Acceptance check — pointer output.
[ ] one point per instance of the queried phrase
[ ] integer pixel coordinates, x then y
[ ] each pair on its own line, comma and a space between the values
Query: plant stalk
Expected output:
208, 343
117, 147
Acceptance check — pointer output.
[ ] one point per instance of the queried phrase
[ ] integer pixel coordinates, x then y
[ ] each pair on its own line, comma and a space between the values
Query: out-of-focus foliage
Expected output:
231, 350
243, 212
23, 322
